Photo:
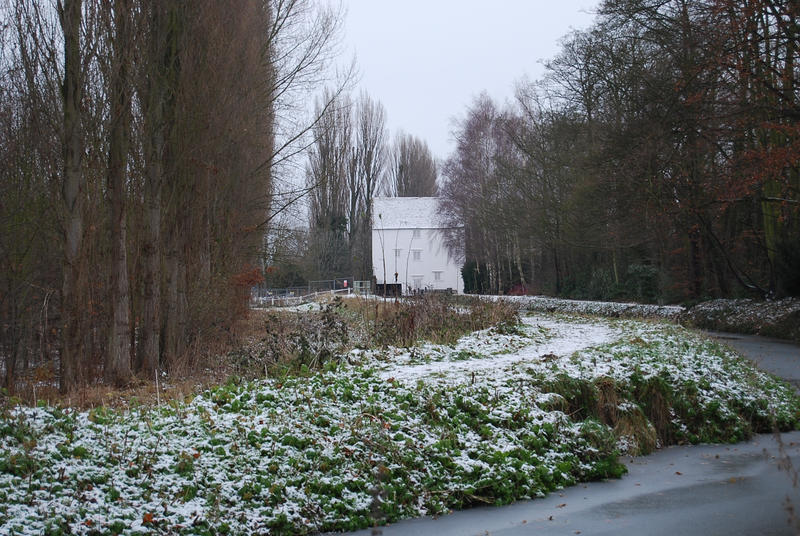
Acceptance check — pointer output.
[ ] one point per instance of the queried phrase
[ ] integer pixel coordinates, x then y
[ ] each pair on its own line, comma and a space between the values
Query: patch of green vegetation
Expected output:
509, 328
579, 394
344, 447
185, 464
466, 355
21, 464
102, 415
723, 404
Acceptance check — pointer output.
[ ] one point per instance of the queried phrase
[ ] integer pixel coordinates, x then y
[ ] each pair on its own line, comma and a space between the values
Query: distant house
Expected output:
408, 247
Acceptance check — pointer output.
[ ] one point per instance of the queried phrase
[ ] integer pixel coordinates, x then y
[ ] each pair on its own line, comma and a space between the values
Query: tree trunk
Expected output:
205, 224
696, 267
518, 261
72, 186
175, 306
118, 358
161, 93
12, 346
149, 346
559, 275
170, 319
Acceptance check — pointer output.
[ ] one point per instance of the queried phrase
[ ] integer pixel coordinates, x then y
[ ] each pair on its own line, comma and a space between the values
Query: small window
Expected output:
437, 276
417, 254
417, 281
417, 233
397, 252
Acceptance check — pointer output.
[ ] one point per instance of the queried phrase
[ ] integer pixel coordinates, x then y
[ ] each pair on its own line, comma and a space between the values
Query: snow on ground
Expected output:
771, 318
434, 427
490, 353
303, 307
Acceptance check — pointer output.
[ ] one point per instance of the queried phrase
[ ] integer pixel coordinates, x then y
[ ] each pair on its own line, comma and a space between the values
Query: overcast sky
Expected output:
425, 60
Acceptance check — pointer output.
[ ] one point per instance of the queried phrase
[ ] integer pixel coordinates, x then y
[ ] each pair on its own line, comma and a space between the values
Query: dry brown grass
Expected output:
270, 341
201, 366
607, 400
633, 423
438, 318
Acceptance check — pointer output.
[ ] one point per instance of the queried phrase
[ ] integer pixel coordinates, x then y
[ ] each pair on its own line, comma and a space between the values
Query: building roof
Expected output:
405, 213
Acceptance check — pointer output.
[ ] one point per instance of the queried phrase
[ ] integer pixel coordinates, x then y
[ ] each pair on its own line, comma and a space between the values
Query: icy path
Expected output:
561, 339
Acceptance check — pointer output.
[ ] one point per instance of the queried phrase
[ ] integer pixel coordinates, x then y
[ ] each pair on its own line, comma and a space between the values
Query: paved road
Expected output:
779, 357
707, 489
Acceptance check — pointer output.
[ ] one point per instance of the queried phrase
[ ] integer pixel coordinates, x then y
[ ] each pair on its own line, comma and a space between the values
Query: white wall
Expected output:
414, 273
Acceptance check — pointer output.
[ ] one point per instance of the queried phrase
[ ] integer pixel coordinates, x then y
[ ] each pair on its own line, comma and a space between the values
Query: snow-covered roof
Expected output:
405, 213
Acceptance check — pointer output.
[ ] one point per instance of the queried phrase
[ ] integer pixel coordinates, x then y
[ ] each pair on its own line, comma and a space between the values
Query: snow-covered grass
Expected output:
771, 318
505, 413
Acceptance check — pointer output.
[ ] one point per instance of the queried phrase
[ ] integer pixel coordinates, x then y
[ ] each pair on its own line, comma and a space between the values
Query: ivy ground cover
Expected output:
504, 414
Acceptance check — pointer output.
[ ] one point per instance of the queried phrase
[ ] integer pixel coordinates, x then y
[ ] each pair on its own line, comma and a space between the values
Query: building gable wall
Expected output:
416, 253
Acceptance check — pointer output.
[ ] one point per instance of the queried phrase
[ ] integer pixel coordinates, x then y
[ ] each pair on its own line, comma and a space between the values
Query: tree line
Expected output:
139, 143
350, 161
658, 159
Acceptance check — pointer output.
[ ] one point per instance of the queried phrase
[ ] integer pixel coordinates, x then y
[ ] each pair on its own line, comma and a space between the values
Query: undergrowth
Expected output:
328, 451
436, 318
672, 388
324, 444
294, 342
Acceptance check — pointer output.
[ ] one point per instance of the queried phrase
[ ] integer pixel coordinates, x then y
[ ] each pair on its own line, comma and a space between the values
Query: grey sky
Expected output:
425, 60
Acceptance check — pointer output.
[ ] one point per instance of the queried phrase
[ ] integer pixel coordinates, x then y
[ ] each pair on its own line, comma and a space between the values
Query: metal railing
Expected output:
261, 296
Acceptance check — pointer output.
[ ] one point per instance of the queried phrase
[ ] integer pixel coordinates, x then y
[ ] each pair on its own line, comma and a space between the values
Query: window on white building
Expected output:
417, 254
397, 252
417, 281
417, 233
437, 276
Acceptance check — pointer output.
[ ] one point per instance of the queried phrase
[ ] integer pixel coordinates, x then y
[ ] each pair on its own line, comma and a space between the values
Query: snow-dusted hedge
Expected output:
774, 318
546, 304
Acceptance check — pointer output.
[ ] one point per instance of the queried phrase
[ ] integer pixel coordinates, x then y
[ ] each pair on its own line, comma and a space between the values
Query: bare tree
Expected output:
118, 357
72, 195
413, 170
327, 175
476, 194
31, 168
149, 129
304, 40
368, 163
157, 86
346, 167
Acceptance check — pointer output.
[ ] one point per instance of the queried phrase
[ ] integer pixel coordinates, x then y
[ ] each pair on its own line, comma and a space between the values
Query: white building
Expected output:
408, 246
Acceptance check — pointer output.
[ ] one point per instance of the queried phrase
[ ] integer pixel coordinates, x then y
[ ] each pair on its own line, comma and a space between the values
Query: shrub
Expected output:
438, 318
